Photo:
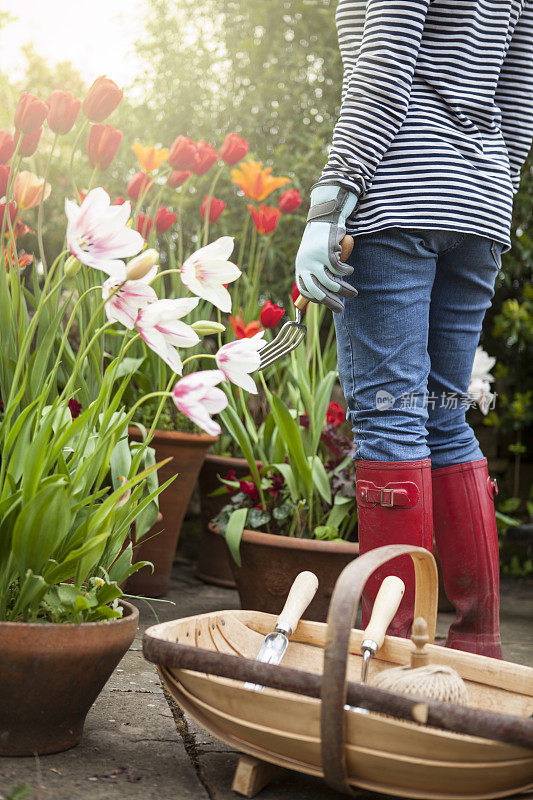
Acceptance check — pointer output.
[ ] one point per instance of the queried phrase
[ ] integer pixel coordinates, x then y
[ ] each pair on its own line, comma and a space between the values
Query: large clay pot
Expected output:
51, 674
187, 451
270, 563
213, 559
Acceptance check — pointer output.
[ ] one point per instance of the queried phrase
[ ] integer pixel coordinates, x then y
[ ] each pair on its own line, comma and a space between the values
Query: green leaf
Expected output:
290, 480
342, 506
256, 517
234, 530
41, 527
282, 512
320, 478
289, 431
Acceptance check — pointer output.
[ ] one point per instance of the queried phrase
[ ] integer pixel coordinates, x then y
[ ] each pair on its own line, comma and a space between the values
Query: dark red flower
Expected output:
144, 225
182, 154
63, 109
164, 219
177, 177
233, 149
29, 142
7, 146
30, 113
304, 420
335, 414
289, 201
249, 488
141, 183
216, 207
4, 178
75, 407
278, 482
230, 475
101, 99
102, 145
206, 156
270, 314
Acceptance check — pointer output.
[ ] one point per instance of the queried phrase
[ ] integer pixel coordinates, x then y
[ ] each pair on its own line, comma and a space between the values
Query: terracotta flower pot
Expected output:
187, 451
270, 563
214, 559
51, 674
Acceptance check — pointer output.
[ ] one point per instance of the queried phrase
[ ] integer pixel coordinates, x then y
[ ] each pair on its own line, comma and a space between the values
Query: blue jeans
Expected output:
406, 343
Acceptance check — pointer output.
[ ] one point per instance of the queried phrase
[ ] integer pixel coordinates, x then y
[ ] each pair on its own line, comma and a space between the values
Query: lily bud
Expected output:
204, 327
72, 267
140, 266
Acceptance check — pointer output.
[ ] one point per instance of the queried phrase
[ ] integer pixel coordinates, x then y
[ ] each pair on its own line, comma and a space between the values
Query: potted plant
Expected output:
297, 509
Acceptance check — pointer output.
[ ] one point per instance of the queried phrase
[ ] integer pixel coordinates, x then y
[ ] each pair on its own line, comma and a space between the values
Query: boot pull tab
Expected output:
492, 487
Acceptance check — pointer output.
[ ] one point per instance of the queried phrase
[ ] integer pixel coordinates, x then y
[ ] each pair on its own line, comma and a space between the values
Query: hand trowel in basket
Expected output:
275, 644
292, 333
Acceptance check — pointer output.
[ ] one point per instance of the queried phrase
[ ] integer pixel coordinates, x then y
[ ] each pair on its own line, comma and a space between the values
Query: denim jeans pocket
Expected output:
496, 251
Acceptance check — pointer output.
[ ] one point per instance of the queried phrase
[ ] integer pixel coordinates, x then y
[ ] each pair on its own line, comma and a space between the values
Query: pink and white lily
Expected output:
481, 379
197, 397
237, 359
206, 271
160, 326
123, 306
97, 233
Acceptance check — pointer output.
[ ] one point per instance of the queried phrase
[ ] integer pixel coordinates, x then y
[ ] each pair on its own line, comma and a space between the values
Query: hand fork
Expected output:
293, 332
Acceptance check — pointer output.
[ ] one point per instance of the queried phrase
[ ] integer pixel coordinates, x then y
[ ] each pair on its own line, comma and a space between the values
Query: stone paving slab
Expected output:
137, 746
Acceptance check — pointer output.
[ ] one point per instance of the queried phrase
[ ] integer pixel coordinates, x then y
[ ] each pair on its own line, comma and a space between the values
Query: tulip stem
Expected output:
71, 163
180, 222
198, 355
208, 204
93, 176
41, 203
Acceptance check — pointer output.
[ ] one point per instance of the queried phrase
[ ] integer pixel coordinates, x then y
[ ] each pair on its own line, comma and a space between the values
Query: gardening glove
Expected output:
318, 265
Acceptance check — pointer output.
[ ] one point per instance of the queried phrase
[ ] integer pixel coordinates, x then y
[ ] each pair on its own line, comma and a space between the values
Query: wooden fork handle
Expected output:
301, 302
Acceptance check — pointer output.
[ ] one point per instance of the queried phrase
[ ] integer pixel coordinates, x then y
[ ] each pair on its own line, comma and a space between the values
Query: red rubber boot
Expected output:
467, 543
394, 507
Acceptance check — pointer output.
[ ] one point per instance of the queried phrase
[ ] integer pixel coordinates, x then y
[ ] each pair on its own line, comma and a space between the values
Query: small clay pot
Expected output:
187, 451
51, 674
270, 563
213, 558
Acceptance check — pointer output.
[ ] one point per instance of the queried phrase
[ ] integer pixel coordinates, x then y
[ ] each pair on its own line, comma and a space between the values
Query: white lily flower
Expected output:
480, 380
163, 331
197, 397
237, 359
206, 270
124, 305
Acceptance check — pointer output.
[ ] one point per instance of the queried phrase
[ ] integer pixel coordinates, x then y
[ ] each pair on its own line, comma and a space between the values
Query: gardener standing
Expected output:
435, 124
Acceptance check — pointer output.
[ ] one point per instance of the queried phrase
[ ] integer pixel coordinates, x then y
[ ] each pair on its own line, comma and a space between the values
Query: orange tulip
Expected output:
150, 158
29, 142
28, 189
265, 218
9, 258
256, 181
101, 99
30, 113
243, 331
63, 111
102, 145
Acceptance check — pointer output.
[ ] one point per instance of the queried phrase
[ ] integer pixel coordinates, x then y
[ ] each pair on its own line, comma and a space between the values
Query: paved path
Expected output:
136, 746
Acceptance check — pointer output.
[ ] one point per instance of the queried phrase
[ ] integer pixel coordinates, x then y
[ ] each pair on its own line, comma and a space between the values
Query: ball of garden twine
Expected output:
434, 682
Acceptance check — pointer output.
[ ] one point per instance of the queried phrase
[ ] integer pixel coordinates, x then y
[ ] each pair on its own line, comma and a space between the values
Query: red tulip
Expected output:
4, 178
243, 331
295, 294
101, 99
164, 219
206, 156
12, 212
141, 183
21, 229
102, 145
63, 111
265, 218
144, 225
178, 177
216, 207
270, 314
7, 146
233, 149
182, 154
29, 142
30, 113
335, 414
289, 201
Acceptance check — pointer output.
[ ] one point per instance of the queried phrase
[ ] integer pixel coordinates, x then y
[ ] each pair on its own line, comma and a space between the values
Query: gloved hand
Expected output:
318, 265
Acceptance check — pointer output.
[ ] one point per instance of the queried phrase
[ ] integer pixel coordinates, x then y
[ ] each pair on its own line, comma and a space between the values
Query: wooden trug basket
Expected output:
401, 746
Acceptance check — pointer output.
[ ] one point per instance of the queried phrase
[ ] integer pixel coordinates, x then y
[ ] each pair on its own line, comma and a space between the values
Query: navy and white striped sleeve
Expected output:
376, 100
514, 94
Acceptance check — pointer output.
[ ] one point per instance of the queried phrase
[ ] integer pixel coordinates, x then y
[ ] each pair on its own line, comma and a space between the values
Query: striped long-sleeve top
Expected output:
437, 112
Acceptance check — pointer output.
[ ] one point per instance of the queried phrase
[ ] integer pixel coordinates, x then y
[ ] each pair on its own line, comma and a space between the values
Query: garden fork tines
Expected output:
293, 332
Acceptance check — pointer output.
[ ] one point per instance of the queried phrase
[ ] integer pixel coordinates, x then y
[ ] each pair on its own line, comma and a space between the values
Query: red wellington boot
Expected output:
394, 507
467, 543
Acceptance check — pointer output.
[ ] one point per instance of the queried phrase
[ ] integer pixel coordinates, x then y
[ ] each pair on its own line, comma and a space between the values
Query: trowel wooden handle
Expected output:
385, 607
302, 592
346, 249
